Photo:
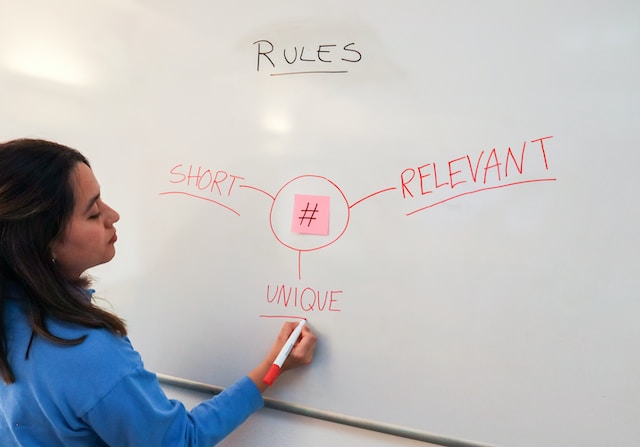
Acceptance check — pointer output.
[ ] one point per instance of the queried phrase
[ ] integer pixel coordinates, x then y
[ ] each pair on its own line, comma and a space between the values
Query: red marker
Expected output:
274, 371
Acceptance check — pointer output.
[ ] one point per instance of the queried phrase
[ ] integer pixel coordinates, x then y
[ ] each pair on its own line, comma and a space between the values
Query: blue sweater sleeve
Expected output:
136, 412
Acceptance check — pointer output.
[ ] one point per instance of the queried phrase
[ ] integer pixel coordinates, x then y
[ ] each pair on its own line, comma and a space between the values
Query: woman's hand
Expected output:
300, 355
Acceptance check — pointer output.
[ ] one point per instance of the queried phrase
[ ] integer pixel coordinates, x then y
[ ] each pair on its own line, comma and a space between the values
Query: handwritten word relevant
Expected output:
315, 60
307, 299
196, 181
495, 169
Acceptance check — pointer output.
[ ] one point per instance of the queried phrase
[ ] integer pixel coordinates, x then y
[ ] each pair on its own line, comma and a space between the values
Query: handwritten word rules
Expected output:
310, 60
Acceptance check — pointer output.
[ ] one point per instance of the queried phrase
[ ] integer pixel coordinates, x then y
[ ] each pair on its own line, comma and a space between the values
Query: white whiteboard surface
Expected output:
463, 297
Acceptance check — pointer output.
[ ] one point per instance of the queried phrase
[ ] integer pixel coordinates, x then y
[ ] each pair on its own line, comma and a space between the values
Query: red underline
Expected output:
201, 198
480, 190
282, 316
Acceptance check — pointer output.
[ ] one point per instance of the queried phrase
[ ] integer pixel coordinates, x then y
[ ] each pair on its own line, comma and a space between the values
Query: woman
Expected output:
71, 376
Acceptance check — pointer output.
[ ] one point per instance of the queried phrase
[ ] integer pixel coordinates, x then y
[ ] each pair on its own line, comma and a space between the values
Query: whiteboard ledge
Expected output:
380, 427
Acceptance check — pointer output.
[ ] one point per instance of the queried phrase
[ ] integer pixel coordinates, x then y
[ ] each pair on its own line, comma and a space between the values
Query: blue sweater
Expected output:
98, 393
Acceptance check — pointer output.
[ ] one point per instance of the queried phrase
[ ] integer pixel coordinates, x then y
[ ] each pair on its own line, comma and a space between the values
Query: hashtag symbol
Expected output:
310, 218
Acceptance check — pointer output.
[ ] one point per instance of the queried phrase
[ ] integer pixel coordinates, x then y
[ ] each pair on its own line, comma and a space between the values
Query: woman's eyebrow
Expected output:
91, 203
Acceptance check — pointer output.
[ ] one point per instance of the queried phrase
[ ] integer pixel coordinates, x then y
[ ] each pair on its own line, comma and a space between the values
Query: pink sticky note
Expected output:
310, 214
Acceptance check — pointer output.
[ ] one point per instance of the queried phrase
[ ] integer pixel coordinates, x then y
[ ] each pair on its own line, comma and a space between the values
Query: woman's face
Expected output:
89, 238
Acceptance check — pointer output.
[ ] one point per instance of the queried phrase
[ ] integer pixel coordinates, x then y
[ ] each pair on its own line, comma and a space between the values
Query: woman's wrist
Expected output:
257, 375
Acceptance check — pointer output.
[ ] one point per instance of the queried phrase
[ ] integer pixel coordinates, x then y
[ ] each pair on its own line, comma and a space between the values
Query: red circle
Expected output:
346, 223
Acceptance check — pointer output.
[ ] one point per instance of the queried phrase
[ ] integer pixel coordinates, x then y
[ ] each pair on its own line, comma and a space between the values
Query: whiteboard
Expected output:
476, 274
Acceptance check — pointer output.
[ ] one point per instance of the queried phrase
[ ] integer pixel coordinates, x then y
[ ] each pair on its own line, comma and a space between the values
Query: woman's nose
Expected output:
113, 215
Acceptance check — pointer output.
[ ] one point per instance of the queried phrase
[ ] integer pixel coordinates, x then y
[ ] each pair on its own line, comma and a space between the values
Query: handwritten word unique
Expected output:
488, 170
307, 299
314, 60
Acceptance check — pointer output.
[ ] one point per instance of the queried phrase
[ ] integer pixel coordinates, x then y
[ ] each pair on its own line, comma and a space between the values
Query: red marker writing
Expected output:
274, 371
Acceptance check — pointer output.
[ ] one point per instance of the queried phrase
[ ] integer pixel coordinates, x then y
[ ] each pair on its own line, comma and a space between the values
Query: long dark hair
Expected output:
36, 203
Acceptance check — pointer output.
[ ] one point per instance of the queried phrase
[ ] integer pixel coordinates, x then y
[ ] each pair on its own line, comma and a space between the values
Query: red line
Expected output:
299, 263
259, 190
201, 198
480, 190
371, 195
282, 316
